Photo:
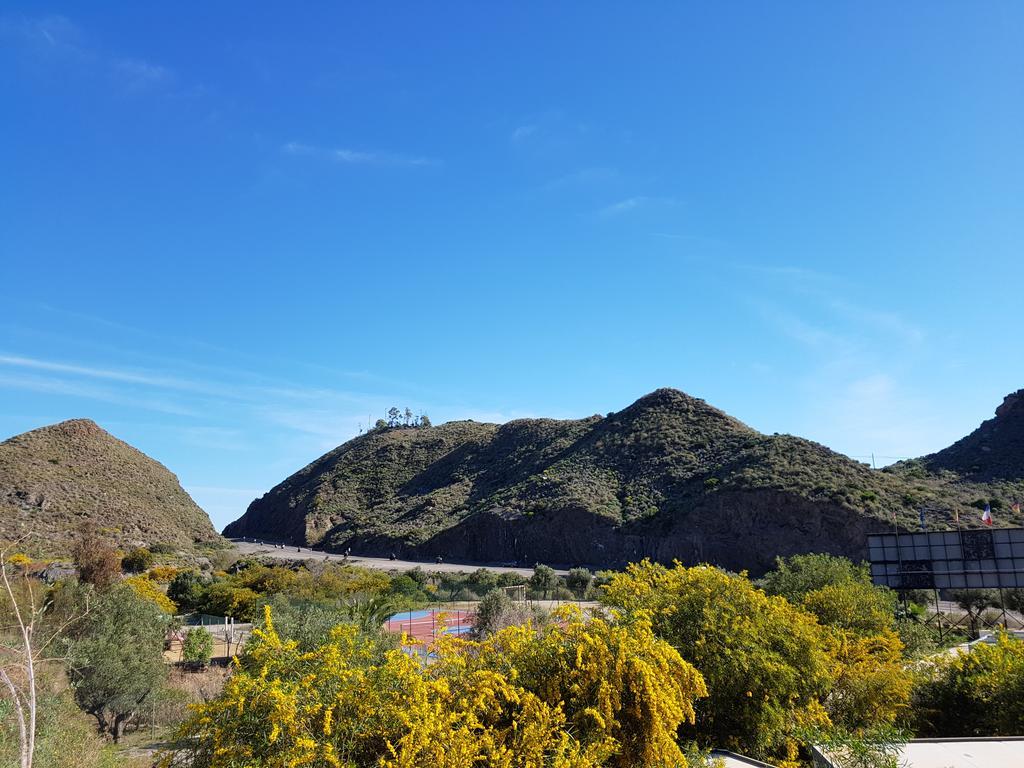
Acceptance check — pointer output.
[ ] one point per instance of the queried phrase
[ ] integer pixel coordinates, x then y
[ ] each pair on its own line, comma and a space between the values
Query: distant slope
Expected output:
54, 478
994, 451
987, 466
668, 477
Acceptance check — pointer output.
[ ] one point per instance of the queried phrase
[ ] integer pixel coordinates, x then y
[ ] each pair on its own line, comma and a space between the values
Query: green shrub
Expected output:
224, 598
137, 561
407, 588
188, 591
198, 646
578, 580
497, 611
976, 693
543, 581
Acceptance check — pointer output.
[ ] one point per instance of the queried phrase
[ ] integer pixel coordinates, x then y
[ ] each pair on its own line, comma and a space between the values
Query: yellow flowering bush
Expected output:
619, 687
147, 589
582, 695
764, 660
19, 560
872, 685
773, 671
163, 574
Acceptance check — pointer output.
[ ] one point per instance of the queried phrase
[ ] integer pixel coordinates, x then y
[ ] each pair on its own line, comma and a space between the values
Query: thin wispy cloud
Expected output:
523, 132
96, 373
53, 32
187, 348
889, 323
828, 293
345, 156
622, 206
57, 40
321, 412
812, 333
856, 359
55, 386
636, 202
582, 177
137, 73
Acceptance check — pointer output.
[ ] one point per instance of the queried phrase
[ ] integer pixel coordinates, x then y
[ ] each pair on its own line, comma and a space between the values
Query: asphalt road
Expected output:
251, 549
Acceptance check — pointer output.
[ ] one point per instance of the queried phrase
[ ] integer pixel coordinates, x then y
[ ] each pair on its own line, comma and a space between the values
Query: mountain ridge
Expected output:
669, 476
993, 451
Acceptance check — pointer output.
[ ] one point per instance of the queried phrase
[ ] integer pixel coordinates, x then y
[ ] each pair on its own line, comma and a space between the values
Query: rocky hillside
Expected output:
668, 477
986, 467
994, 451
54, 478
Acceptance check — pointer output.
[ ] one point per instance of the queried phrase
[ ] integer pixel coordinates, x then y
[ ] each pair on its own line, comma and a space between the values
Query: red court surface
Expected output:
425, 626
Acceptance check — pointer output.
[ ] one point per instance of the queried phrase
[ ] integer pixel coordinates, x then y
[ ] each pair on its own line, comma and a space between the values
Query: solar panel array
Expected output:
978, 559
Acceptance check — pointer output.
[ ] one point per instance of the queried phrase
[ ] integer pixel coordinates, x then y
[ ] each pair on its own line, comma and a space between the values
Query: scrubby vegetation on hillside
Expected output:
674, 661
54, 478
657, 465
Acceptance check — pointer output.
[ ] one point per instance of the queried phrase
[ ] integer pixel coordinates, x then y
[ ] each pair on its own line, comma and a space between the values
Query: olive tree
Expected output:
117, 662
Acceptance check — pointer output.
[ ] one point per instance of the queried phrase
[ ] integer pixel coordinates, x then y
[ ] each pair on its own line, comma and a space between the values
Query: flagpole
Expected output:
960, 538
899, 555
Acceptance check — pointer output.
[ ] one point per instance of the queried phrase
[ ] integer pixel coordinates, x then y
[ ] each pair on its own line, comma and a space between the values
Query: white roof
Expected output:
984, 753
732, 760
959, 753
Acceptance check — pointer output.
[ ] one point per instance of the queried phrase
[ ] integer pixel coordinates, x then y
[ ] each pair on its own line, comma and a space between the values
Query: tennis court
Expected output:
425, 625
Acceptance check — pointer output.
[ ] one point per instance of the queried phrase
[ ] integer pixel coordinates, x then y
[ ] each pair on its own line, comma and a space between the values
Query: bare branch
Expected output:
26, 757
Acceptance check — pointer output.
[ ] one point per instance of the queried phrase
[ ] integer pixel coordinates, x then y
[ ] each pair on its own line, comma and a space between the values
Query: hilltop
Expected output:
54, 478
985, 467
994, 451
668, 477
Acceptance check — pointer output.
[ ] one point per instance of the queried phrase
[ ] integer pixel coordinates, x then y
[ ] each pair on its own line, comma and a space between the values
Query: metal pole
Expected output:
899, 554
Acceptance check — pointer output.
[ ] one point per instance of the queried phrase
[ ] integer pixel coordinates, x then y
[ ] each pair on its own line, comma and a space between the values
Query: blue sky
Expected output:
232, 233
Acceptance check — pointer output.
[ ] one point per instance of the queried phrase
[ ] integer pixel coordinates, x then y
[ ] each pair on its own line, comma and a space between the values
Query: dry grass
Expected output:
54, 478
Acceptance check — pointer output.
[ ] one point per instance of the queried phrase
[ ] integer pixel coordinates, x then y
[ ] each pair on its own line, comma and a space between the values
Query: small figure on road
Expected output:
439, 559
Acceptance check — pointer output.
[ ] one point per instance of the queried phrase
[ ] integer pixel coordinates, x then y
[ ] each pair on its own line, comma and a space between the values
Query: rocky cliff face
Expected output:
54, 478
739, 531
668, 477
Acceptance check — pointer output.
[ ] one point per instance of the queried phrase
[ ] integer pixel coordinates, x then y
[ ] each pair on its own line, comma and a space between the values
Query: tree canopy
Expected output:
581, 694
117, 662
978, 693
771, 667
